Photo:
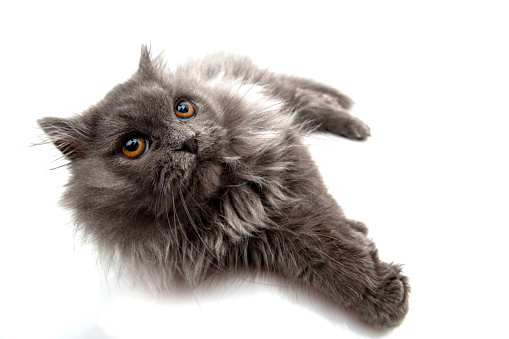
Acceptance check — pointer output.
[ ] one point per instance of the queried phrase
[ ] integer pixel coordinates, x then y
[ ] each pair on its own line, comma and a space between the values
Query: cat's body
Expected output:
203, 170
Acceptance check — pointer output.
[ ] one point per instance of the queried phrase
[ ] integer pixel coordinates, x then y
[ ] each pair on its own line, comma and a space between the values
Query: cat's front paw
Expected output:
387, 306
355, 129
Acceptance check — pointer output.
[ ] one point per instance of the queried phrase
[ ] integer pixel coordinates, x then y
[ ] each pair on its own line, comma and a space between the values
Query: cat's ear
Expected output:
70, 135
146, 67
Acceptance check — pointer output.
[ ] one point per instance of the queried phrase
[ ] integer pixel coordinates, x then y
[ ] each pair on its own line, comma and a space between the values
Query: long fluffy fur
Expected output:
249, 197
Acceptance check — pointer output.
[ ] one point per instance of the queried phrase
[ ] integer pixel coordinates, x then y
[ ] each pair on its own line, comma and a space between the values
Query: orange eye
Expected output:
134, 146
184, 110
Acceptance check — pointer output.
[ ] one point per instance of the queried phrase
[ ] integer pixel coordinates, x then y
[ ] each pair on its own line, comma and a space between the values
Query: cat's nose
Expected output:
190, 146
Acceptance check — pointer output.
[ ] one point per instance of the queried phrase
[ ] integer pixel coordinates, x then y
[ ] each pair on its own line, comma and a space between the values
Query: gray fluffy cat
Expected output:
185, 174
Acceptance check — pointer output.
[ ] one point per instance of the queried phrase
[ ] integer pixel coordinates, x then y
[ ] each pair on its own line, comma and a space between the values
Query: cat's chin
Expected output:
184, 155
183, 162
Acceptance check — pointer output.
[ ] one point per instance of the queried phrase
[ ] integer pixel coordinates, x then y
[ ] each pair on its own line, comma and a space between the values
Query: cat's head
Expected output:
159, 141
150, 138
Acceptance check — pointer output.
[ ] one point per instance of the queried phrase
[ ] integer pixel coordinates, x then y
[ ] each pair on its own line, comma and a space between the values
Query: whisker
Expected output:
244, 79
61, 166
252, 86
194, 226
181, 251
189, 241
159, 205
197, 204
266, 109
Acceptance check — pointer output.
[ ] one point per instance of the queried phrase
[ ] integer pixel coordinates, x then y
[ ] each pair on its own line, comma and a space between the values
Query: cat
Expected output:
184, 174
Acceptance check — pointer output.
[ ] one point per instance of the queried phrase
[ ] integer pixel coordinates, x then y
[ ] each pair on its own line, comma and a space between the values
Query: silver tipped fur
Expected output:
246, 195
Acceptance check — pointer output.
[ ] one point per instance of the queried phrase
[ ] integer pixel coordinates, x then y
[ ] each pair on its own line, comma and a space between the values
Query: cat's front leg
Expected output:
347, 272
354, 276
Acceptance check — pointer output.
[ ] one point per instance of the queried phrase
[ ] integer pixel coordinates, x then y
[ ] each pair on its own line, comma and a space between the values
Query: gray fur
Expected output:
249, 195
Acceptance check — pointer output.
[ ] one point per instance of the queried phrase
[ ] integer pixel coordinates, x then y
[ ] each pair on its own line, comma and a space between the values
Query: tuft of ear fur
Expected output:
70, 135
145, 68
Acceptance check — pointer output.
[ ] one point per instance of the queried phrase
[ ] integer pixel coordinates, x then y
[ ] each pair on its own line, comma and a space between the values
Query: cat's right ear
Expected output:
145, 68
70, 136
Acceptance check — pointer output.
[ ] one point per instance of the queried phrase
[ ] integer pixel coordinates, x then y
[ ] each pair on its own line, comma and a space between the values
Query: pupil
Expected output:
182, 108
132, 145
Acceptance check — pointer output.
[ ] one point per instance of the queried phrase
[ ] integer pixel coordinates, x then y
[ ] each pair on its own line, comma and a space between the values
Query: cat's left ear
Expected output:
70, 135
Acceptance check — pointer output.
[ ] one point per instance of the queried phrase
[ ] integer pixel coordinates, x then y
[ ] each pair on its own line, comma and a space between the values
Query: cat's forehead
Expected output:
151, 101
152, 95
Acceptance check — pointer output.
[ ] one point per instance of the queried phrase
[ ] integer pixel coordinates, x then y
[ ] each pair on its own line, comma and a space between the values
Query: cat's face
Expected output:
158, 137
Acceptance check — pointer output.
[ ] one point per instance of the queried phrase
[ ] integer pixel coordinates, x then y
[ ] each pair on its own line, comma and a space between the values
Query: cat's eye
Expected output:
134, 146
184, 110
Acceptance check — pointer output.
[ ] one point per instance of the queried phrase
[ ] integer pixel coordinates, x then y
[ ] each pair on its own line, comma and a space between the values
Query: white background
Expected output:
431, 78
